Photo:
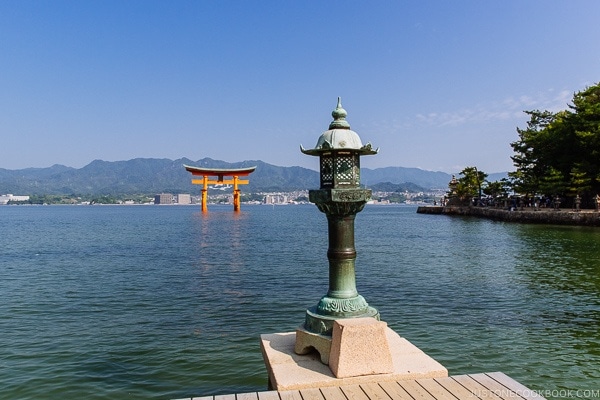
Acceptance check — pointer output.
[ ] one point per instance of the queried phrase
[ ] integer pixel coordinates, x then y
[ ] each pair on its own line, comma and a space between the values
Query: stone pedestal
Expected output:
290, 371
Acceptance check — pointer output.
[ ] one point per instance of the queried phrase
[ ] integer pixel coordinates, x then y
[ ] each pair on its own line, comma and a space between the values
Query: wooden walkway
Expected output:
492, 386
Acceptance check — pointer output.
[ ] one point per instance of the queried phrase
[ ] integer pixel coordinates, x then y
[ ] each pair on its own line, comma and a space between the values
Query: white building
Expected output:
277, 198
184, 198
5, 198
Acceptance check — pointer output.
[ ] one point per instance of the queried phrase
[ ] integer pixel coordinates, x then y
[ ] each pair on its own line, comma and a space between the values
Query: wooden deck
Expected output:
492, 385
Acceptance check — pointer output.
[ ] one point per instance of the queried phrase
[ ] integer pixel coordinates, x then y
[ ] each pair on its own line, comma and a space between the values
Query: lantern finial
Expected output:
339, 117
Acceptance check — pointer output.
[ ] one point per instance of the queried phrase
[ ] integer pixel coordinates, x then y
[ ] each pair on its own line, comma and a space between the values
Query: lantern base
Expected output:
323, 324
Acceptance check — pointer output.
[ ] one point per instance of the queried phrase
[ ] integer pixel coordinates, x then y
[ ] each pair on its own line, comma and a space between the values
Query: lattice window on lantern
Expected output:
345, 169
326, 170
356, 170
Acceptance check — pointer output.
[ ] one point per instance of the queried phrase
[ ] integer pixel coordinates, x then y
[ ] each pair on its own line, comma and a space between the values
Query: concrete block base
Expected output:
290, 371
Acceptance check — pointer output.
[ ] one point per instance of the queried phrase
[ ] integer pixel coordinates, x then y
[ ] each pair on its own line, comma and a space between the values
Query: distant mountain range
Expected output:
151, 175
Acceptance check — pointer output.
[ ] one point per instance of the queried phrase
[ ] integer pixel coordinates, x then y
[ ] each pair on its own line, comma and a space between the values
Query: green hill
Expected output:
150, 175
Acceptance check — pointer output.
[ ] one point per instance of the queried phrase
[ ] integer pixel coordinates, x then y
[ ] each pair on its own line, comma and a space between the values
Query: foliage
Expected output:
301, 199
247, 197
52, 199
104, 200
396, 197
496, 189
396, 187
559, 153
470, 184
90, 199
473, 184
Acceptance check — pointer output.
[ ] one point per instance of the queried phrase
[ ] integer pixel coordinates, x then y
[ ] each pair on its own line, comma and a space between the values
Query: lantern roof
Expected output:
339, 136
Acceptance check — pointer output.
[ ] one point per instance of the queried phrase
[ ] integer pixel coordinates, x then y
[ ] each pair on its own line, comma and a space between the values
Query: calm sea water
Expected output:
122, 302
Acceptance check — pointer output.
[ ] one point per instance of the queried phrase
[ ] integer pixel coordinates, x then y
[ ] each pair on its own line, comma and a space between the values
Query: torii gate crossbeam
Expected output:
205, 173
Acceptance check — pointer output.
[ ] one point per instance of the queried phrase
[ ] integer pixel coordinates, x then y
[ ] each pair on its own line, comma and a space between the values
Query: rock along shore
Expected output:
527, 215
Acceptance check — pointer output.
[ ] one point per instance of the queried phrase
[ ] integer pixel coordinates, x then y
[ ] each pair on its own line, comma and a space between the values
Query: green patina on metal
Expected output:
340, 198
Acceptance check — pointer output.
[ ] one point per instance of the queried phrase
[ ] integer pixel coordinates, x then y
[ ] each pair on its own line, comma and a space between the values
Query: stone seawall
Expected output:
542, 216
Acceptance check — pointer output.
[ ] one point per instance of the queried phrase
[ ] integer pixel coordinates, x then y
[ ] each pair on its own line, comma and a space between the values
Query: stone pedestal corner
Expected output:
359, 346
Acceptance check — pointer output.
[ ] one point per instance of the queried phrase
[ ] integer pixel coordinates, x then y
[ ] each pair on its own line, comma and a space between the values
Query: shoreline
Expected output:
526, 215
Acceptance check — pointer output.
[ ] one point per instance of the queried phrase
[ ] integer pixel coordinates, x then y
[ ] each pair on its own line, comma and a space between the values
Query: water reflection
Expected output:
222, 239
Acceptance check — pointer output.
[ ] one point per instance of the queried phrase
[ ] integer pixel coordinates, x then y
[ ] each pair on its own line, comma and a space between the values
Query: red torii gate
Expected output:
220, 173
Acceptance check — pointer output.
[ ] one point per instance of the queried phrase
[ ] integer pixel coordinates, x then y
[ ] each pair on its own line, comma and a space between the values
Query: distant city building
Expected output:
5, 198
184, 198
276, 198
163, 198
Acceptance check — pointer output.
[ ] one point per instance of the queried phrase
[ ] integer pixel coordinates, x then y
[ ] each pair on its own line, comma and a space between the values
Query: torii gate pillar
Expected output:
220, 173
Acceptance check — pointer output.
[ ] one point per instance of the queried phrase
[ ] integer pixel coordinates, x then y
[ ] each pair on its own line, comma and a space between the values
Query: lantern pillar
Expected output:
340, 198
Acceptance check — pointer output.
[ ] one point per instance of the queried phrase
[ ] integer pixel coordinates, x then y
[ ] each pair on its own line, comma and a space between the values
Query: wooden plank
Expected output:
354, 392
333, 393
415, 390
225, 397
485, 386
435, 389
476, 388
247, 396
374, 391
270, 395
516, 387
458, 390
494, 386
395, 391
290, 395
311, 394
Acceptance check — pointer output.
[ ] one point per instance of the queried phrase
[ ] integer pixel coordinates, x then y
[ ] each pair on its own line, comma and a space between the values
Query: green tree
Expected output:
495, 189
559, 153
553, 183
585, 122
470, 184
579, 182
529, 159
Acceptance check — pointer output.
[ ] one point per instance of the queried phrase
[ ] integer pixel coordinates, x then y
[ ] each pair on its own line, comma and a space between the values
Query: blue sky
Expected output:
437, 85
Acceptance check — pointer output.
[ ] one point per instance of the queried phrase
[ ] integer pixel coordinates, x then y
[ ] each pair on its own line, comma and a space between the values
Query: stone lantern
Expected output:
340, 198
342, 328
452, 185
